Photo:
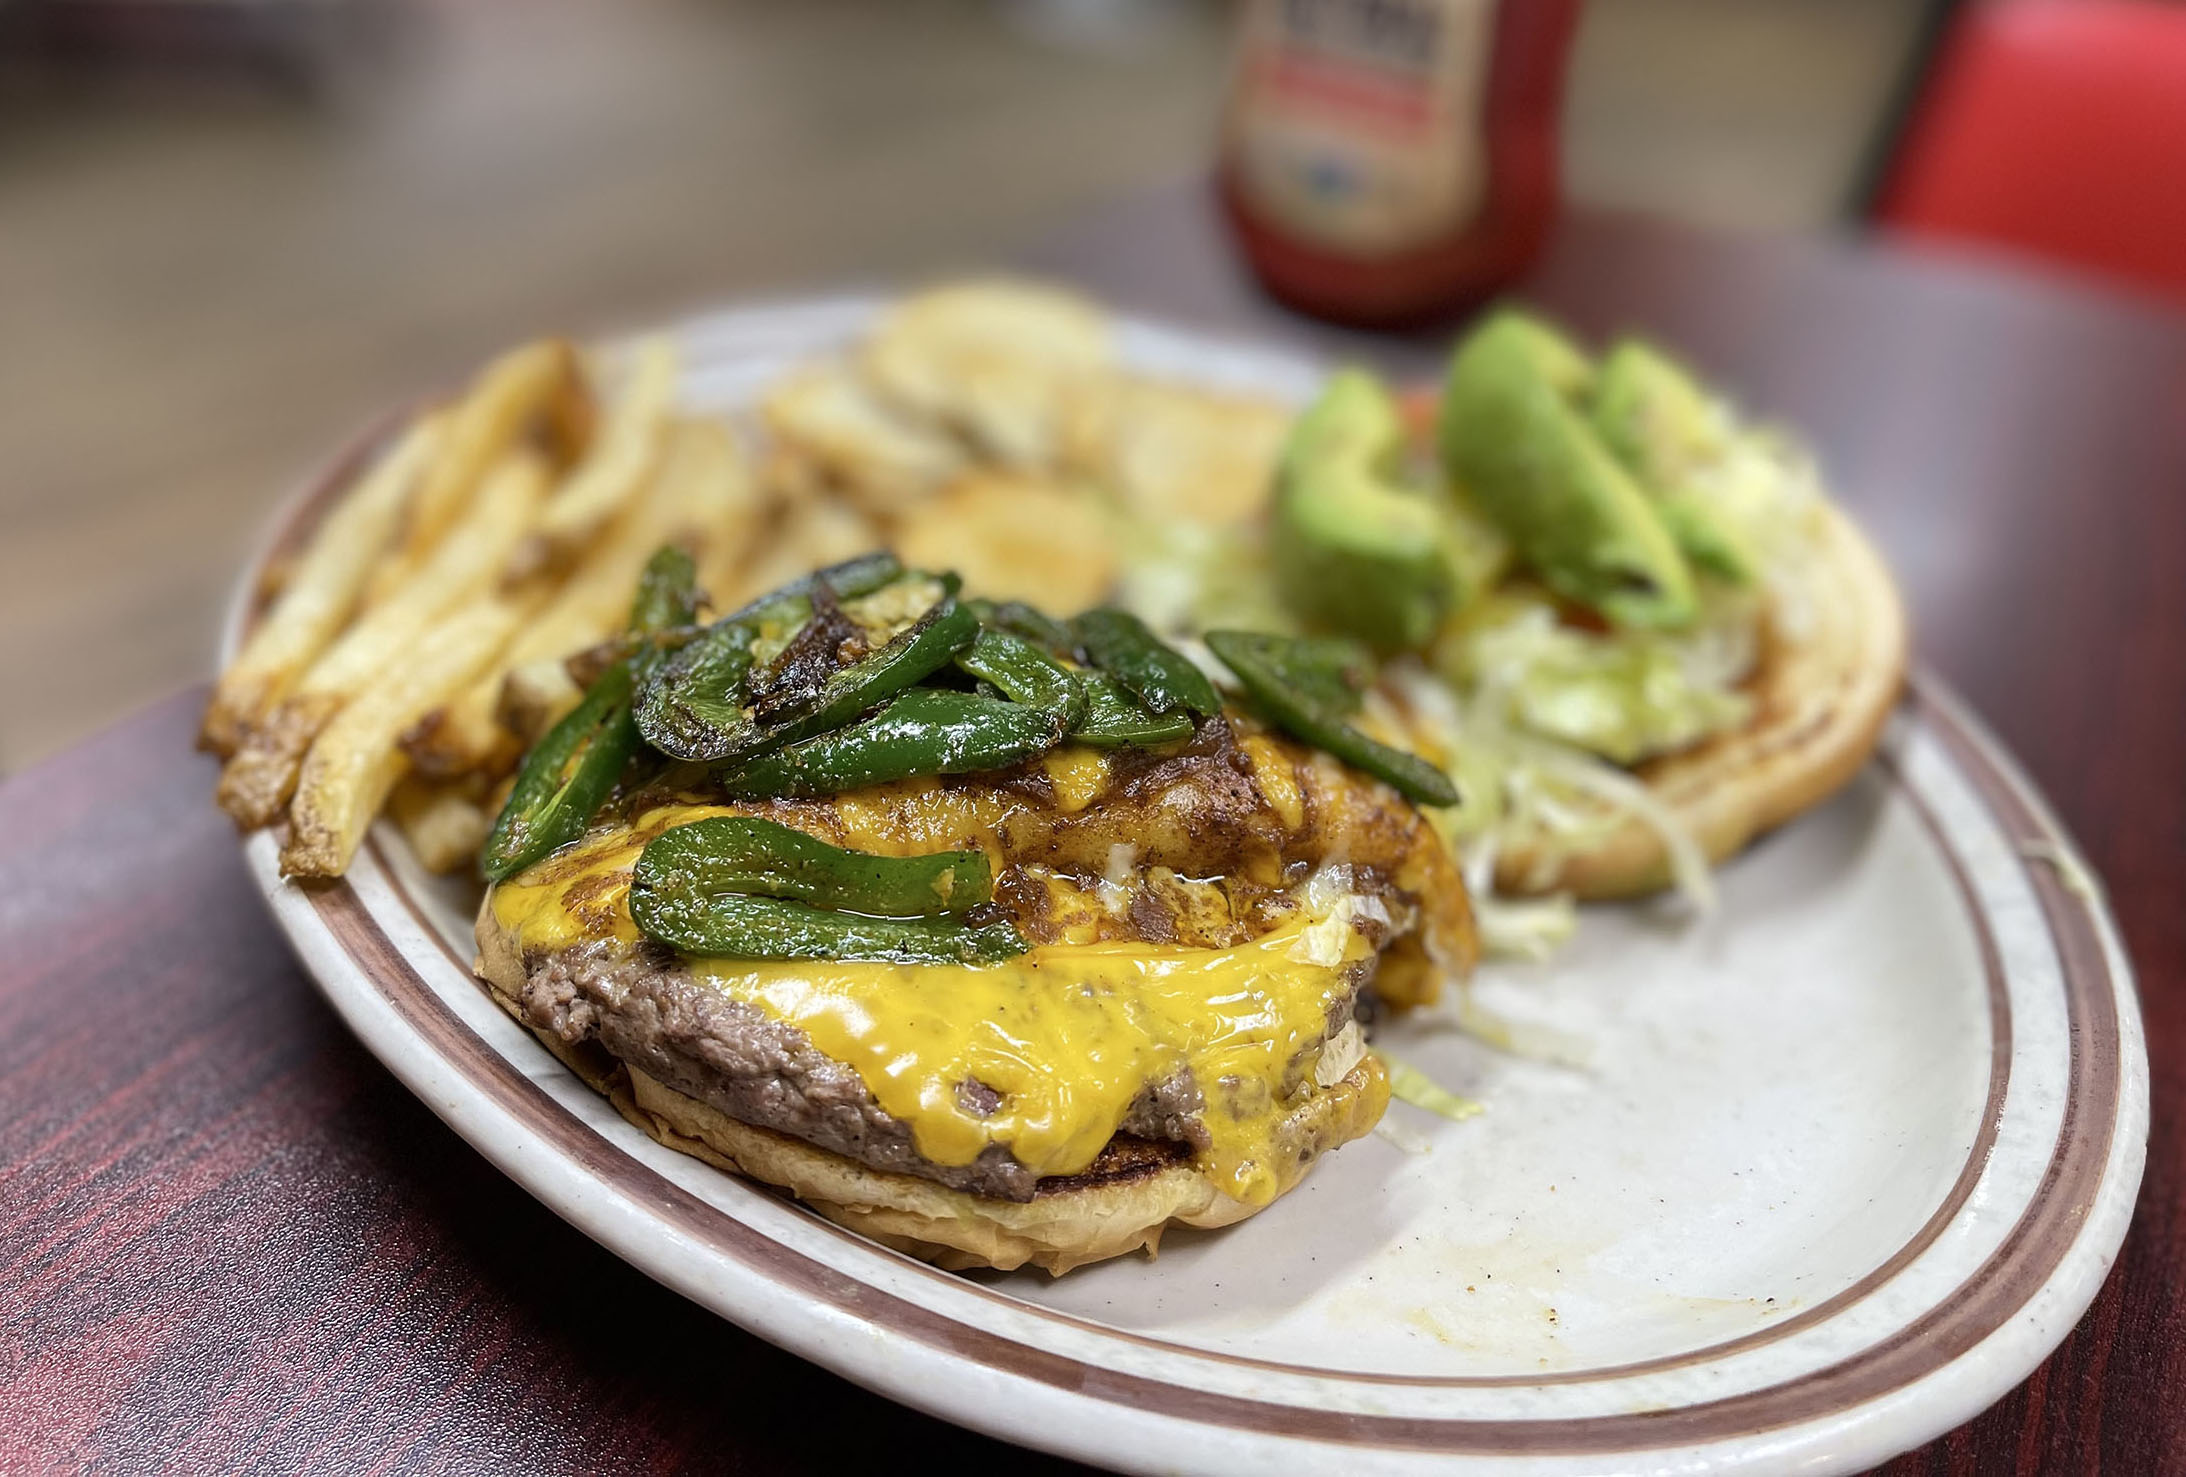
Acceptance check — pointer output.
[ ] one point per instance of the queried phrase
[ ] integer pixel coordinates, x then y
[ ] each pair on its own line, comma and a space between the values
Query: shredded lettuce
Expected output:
1402, 1137
1621, 792
1339, 1055
1624, 695
1534, 1040
1408, 1084
1513, 928
2075, 878
1514, 785
1763, 484
1182, 578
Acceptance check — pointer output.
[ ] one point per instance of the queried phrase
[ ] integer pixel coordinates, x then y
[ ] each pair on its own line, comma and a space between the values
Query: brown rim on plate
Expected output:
1983, 1303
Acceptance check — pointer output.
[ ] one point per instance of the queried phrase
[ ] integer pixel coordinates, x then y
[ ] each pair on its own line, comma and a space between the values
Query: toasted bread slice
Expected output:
1831, 667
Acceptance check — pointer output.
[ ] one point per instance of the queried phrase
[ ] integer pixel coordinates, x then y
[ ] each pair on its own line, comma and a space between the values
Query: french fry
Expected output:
445, 824
258, 780
569, 422
355, 761
321, 591
502, 404
718, 501
701, 498
789, 475
530, 697
622, 456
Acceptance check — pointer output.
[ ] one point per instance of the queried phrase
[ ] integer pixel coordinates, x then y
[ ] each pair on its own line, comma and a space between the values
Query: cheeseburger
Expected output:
1000, 939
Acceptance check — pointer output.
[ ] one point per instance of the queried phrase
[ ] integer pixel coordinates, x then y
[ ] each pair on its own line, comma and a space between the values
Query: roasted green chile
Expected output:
1281, 680
565, 778
1333, 671
1163, 677
695, 707
1024, 673
735, 926
1114, 717
1028, 623
924, 731
789, 603
745, 854
667, 595
922, 648
827, 641
663, 620
570, 773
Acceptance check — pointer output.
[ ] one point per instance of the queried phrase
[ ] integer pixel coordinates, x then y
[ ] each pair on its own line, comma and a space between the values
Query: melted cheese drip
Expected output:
1068, 1034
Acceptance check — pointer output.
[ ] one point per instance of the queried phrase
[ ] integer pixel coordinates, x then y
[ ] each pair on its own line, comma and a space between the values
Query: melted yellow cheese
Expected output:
1079, 774
1276, 780
1068, 1034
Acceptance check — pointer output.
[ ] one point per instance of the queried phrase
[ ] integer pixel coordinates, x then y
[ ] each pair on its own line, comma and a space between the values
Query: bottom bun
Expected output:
1055, 1230
1068, 1223
1832, 664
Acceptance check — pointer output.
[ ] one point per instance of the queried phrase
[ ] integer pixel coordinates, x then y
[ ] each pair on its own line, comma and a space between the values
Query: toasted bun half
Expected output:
1830, 671
1123, 1205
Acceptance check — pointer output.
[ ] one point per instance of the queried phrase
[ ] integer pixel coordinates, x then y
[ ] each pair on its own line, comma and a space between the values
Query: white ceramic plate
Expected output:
1838, 1167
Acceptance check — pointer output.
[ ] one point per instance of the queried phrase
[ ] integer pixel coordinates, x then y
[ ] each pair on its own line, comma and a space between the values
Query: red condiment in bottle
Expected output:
1385, 161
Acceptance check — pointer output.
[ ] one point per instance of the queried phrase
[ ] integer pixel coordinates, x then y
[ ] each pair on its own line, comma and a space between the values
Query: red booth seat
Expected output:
2056, 128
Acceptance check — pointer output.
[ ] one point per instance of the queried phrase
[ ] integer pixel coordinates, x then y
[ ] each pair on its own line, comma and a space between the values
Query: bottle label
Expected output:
1358, 125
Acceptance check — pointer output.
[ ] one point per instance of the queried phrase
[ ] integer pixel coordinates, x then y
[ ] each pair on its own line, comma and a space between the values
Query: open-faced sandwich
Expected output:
1631, 627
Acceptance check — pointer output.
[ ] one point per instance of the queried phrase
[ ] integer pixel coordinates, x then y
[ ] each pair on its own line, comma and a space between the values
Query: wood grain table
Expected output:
230, 1241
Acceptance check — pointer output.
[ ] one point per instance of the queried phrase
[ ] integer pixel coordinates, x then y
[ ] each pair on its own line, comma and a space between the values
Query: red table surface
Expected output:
230, 1241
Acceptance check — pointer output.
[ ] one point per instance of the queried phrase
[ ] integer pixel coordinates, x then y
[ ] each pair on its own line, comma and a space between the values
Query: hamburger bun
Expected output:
1123, 1203
1832, 663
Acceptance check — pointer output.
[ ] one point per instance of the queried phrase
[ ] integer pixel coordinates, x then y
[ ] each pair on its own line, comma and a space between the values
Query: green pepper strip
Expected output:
667, 593
918, 650
694, 708
1114, 718
570, 772
1163, 677
849, 579
1027, 624
743, 854
1264, 664
693, 704
565, 778
1025, 674
739, 927
928, 730
1332, 671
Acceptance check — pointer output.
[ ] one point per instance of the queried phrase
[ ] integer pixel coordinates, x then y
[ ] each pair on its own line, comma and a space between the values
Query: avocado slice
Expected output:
1515, 437
1355, 550
1659, 422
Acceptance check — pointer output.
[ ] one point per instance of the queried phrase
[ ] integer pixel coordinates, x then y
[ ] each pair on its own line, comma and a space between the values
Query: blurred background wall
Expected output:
228, 233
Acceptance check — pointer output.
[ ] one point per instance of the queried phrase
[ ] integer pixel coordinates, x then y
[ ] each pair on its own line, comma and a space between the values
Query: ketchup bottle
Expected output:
1385, 161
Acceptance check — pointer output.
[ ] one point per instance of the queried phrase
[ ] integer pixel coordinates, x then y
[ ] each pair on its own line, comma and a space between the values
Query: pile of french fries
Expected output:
419, 642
